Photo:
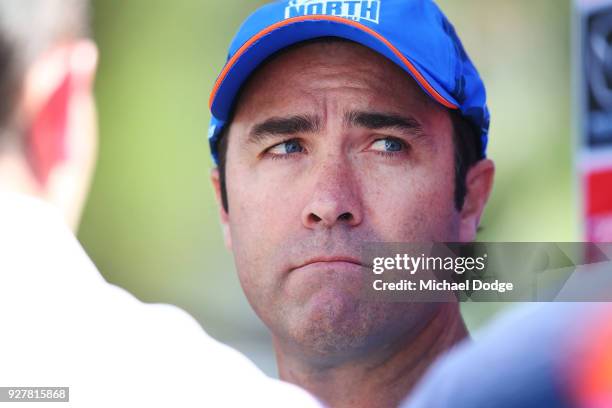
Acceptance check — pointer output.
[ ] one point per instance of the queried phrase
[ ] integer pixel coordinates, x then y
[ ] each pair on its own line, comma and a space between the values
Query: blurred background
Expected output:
151, 223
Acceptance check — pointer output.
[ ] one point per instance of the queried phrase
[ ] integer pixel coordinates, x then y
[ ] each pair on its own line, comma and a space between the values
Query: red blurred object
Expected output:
599, 205
592, 372
47, 135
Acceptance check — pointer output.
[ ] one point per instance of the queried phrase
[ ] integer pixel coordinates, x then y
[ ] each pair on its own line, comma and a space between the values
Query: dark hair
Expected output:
466, 140
28, 28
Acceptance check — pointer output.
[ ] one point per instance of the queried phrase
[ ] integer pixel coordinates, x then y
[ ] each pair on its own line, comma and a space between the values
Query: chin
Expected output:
334, 325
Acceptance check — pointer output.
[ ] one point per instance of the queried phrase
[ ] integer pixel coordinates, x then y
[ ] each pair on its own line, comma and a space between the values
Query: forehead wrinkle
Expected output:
348, 66
317, 72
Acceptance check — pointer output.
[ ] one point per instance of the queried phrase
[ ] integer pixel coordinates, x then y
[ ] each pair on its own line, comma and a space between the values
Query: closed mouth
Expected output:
329, 260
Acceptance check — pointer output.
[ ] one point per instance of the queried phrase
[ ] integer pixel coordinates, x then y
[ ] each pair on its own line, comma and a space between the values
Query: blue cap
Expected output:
414, 34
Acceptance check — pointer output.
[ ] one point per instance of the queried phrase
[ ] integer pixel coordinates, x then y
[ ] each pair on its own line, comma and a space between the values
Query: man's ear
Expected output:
223, 214
47, 102
50, 85
479, 183
58, 113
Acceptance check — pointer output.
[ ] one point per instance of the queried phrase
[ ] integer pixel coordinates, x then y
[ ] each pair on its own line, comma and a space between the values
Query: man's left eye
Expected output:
388, 144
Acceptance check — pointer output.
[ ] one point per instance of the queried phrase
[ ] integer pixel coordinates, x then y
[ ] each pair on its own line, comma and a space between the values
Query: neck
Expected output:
15, 177
62, 189
378, 379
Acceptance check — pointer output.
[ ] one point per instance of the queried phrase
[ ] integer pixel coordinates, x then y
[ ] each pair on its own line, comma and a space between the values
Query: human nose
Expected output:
335, 198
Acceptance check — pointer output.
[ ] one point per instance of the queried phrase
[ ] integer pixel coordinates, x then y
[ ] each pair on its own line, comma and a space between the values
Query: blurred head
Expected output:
47, 118
332, 145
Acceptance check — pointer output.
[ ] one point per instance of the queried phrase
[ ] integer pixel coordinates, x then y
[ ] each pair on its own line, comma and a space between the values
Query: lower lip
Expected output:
336, 266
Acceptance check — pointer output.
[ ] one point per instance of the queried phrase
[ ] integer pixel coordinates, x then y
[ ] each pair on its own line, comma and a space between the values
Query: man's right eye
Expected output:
285, 148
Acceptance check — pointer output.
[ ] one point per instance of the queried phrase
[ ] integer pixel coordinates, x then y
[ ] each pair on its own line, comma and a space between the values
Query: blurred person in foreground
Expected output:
62, 324
336, 124
553, 355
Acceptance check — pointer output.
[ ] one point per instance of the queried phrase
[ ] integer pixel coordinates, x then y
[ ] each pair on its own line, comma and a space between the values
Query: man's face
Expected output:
332, 146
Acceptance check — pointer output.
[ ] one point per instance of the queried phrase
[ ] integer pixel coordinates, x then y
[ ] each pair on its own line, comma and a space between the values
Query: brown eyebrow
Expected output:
279, 126
378, 120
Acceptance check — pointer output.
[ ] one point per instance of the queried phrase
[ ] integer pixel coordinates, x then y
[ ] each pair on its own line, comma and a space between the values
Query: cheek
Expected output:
263, 210
263, 214
418, 205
